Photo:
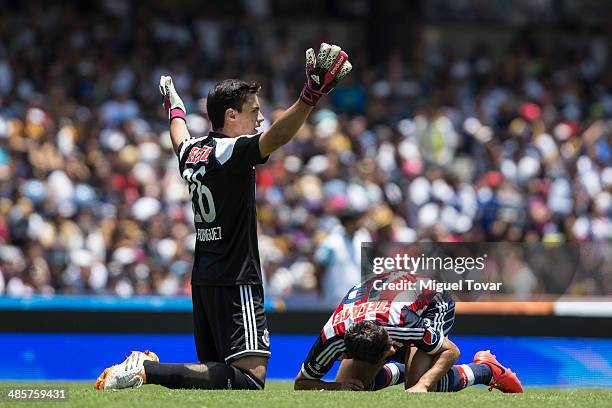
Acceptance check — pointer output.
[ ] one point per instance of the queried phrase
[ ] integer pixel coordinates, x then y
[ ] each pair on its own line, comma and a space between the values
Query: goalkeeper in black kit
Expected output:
230, 327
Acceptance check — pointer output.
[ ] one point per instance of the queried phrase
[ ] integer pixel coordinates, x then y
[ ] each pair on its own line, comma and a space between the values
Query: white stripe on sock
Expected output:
469, 373
395, 373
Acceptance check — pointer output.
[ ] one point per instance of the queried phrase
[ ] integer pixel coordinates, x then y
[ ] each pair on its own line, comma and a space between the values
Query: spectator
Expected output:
511, 145
338, 257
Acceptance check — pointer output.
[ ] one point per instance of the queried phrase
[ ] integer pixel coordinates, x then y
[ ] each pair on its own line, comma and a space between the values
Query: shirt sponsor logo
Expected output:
359, 311
198, 154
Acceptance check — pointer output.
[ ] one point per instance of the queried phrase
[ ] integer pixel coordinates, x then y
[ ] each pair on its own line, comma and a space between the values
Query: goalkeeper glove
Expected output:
324, 72
173, 104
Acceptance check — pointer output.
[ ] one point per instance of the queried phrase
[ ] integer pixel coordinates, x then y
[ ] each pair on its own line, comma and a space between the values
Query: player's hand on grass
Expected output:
173, 104
417, 388
351, 385
323, 72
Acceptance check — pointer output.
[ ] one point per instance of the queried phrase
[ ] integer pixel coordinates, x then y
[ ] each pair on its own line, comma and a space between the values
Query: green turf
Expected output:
280, 394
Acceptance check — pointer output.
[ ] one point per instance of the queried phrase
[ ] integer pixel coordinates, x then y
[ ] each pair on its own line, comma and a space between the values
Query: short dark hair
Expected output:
229, 93
366, 341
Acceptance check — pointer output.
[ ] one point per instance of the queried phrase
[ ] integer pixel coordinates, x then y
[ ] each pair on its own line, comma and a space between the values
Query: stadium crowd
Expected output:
496, 145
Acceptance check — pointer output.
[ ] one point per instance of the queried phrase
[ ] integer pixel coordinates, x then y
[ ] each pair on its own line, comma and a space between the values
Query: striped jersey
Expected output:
409, 318
220, 172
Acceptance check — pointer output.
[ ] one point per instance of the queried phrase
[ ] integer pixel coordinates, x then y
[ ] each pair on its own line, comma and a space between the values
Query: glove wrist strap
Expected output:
177, 113
308, 96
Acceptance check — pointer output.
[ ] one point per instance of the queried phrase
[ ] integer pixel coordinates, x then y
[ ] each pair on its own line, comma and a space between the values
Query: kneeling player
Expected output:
374, 337
228, 307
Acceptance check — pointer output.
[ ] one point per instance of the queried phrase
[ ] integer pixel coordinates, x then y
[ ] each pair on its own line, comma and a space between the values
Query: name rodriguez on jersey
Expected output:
209, 234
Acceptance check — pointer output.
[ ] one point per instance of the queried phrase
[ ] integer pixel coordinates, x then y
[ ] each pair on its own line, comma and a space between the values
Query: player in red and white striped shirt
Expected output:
377, 334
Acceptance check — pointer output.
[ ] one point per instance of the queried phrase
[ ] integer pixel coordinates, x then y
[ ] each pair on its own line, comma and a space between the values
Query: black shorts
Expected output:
229, 322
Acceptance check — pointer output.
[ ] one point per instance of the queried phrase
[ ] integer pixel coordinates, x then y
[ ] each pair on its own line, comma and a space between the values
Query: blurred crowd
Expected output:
494, 145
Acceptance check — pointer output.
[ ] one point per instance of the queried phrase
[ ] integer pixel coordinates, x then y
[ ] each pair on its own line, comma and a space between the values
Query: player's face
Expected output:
250, 118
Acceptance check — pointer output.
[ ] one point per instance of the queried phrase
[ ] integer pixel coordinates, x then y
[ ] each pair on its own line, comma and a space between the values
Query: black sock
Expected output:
463, 376
206, 376
391, 374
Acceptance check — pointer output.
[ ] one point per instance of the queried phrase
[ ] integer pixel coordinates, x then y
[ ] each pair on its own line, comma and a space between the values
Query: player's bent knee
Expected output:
254, 365
455, 352
456, 355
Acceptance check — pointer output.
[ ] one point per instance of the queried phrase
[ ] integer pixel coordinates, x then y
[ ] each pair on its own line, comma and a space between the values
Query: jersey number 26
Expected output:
199, 192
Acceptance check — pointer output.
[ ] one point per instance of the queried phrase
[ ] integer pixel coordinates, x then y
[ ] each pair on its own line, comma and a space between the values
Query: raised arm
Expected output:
323, 72
284, 128
175, 109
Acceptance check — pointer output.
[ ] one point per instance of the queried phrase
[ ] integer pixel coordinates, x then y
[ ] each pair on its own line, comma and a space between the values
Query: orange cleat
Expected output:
100, 381
129, 374
503, 378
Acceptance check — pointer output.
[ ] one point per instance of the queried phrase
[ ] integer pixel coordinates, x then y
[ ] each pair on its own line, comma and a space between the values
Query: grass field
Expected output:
280, 394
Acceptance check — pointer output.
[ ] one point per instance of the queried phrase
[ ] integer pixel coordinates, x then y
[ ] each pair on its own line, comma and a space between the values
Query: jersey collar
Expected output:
218, 135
